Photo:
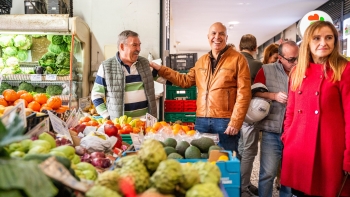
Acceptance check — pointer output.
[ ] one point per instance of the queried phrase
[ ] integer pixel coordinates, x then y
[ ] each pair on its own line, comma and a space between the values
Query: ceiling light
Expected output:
240, 3
233, 22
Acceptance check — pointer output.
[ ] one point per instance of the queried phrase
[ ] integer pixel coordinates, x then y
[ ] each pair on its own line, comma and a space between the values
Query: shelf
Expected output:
28, 77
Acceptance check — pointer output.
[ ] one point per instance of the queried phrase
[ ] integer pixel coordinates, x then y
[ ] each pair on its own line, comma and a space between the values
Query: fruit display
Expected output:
155, 175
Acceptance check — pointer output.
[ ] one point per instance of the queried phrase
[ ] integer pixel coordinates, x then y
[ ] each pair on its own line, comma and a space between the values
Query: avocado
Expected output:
169, 150
215, 147
170, 142
175, 156
181, 147
204, 155
203, 143
192, 152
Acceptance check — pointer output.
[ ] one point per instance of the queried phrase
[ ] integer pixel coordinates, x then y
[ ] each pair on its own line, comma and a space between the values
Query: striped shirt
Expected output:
135, 101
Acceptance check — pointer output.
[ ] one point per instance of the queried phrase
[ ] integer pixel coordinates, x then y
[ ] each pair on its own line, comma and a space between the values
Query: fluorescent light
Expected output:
233, 22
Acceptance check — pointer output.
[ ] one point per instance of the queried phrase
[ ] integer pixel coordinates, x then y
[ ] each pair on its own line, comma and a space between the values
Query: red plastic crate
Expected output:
189, 105
173, 105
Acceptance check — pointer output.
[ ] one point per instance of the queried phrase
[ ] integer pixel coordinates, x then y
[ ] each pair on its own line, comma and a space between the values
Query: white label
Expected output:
150, 120
226, 182
40, 128
59, 125
85, 103
53, 8
51, 77
73, 119
9, 116
137, 140
35, 77
0, 79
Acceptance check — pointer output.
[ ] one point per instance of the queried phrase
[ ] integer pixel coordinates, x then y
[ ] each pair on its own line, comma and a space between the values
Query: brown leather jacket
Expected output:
226, 93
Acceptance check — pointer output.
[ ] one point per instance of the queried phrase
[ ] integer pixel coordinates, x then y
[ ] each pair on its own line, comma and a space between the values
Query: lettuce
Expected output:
10, 51
55, 39
22, 55
57, 49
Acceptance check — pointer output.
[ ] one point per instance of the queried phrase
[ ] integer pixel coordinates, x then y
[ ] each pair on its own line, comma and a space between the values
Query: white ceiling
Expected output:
191, 19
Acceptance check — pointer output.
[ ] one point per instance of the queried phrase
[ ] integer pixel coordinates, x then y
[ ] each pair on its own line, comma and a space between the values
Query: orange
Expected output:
35, 106
191, 132
153, 131
163, 123
176, 131
54, 102
10, 95
85, 119
177, 126
92, 123
135, 130
185, 128
148, 129
3, 102
27, 96
44, 107
61, 110
109, 122
41, 98
18, 100
157, 126
19, 93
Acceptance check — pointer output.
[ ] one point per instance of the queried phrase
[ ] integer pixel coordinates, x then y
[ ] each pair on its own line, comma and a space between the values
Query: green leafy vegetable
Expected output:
40, 90
64, 71
57, 49
22, 55
10, 51
26, 86
54, 90
63, 60
67, 39
4, 86
23, 42
55, 39
48, 59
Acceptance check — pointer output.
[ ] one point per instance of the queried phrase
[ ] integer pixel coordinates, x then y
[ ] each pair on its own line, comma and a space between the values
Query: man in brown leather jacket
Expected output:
223, 81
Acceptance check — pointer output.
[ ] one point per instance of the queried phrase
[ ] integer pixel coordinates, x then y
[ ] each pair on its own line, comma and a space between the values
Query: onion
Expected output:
85, 158
97, 155
80, 150
101, 162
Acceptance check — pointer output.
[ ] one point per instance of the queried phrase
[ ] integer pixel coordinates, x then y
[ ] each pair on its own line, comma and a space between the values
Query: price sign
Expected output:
51, 77
150, 120
35, 77
73, 119
137, 139
0, 79
59, 125
9, 116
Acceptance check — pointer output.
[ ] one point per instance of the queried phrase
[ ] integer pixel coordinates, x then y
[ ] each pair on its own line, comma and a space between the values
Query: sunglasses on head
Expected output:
290, 60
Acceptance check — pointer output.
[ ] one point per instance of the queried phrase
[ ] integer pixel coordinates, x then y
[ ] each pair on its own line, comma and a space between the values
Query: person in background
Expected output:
249, 137
125, 81
223, 83
248, 48
275, 77
271, 54
232, 45
316, 155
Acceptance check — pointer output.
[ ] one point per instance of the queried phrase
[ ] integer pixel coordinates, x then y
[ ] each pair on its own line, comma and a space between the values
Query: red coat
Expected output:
317, 134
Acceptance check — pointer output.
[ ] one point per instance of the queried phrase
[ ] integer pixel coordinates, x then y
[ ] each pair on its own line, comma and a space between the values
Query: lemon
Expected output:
223, 158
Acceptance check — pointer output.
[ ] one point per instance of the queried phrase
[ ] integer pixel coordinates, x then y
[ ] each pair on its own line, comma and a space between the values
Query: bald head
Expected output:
217, 37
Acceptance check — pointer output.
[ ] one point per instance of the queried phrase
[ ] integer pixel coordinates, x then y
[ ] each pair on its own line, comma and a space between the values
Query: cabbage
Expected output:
12, 62
67, 39
57, 49
7, 71
55, 39
22, 55
48, 59
63, 60
10, 51
23, 42
6, 40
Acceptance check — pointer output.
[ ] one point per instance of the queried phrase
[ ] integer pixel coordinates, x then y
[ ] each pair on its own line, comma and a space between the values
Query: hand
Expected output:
231, 131
154, 65
281, 97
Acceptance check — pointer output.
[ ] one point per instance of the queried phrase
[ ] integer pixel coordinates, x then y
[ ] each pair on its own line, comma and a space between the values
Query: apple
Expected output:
110, 130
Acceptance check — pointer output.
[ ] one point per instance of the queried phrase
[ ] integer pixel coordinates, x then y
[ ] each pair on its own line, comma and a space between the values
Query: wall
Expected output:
107, 18
291, 32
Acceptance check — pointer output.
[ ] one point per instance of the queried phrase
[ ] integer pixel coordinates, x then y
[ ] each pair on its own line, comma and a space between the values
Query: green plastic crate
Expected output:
178, 93
183, 116
126, 138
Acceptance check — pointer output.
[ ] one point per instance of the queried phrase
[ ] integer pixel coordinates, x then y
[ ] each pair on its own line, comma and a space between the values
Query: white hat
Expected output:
259, 107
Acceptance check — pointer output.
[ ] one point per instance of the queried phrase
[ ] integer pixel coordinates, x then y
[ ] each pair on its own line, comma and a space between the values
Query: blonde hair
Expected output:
269, 51
336, 62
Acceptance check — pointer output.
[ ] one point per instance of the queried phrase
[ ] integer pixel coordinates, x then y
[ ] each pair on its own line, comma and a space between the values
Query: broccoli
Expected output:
4, 86
26, 86
48, 59
40, 90
54, 90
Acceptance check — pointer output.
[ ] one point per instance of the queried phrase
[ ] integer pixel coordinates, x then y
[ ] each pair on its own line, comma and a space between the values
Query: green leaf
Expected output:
12, 133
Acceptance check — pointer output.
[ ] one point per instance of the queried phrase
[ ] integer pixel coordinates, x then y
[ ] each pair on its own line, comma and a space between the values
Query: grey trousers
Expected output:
248, 149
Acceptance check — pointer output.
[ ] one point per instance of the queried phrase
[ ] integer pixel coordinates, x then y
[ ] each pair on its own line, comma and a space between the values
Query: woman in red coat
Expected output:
316, 138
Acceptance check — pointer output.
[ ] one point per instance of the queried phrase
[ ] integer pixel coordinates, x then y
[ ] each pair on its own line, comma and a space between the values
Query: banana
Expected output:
122, 119
128, 120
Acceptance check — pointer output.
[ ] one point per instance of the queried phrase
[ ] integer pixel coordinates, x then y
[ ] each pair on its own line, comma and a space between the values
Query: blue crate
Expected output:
230, 173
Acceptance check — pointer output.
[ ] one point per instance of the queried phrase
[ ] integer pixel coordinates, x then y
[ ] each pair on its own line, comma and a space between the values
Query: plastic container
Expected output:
189, 105
178, 93
182, 116
173, 106
33, 120
182, 61
126, 138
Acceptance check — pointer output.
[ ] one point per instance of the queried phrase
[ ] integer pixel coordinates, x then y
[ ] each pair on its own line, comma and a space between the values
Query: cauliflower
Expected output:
10, 51
12, 62
7, 71
6, 40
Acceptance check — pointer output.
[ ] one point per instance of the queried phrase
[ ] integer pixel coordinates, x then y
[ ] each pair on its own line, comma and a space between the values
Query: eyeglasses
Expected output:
290, 60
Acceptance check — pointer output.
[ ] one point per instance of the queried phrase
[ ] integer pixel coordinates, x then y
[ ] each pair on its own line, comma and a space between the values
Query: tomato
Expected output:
109, 122
128, 129
110, 130
118, 126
